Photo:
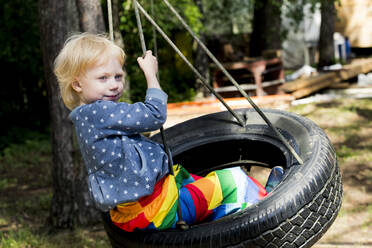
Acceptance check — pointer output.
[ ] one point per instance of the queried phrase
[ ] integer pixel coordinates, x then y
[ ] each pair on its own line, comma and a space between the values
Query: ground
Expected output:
25, 182
347, 122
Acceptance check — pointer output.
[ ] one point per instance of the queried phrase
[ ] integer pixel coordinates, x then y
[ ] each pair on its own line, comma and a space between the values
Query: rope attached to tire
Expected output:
180, 223
138, 6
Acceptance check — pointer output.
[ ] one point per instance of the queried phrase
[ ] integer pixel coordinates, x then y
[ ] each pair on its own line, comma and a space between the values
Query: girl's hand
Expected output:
149, 64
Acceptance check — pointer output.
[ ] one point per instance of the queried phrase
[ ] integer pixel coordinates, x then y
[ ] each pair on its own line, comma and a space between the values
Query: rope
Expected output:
202, 79
139, 26
263, 116
143, 45
180, 223
154, 38
111, 29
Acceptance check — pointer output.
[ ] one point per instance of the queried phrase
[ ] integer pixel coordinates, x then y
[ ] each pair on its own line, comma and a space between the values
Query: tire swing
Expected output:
295, 214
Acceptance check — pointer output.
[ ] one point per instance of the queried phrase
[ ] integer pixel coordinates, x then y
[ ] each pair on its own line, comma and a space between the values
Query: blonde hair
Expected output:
81, 51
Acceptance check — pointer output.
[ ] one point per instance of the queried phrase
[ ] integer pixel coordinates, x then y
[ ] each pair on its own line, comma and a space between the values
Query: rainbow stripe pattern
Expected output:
220, 193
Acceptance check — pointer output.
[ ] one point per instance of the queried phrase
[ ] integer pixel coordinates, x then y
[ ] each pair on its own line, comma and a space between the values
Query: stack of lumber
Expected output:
303, 87
358, 66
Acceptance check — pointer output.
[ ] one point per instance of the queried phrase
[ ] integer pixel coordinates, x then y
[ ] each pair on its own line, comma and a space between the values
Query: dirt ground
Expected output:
353, 226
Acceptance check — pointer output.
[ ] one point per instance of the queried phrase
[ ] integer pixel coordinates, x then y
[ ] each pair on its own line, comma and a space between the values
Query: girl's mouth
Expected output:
113, 97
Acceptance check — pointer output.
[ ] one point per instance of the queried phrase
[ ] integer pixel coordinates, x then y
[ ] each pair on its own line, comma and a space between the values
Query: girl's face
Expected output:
102, 81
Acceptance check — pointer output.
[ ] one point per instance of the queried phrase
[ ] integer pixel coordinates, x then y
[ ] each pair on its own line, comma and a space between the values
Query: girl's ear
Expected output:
76, 85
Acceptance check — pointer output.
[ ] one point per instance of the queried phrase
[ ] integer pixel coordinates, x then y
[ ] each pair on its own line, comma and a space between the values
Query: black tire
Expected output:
295, 214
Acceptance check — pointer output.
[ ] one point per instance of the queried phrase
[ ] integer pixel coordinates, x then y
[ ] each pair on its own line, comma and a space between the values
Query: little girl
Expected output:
127, 172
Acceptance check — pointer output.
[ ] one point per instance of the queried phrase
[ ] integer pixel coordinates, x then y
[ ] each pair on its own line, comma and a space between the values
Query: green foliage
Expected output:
294, 9
23, 100
7, 183
178, 85
166, 20
227, 16
235, 16
19, 39
22, 142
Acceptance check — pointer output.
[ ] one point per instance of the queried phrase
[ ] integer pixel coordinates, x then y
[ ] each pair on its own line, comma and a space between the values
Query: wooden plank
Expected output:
315, 87
248, 64
355, 68
248, 86
367, 67
307, 82
340, 85
349, 71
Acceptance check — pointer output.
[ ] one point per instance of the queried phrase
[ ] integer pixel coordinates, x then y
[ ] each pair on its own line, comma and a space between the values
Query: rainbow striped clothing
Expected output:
220, 193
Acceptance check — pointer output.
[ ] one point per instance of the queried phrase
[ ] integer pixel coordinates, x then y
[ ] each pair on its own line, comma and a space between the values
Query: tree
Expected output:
266, 27
118, 38
70, 203
327, 27
116, 9
227, 16
90, 16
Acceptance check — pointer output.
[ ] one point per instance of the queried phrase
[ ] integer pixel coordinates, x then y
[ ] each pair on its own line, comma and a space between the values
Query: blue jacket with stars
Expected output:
122, 164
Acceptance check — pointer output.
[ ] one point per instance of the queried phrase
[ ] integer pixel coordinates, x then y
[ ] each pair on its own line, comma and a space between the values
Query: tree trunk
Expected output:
70, 203
327, 26
90, 20
56, 22
90, 13
266, 27
118, 38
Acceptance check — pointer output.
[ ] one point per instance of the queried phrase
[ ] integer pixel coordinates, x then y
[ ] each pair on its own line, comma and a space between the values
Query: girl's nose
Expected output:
114, 85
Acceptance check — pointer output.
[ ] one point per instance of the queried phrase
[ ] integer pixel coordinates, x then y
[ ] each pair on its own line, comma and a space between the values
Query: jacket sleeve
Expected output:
122, 118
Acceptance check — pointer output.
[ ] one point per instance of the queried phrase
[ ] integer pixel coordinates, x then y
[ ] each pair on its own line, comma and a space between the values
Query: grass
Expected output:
348, 125
25, 182
25, 237
25, 197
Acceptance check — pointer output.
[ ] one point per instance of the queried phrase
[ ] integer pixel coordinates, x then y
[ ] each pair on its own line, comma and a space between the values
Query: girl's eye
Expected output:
103, 78
118, 77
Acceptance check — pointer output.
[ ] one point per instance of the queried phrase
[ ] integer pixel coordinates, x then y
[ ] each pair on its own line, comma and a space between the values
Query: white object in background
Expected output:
304, 38
305, 70
334, 67
365, 79
339, 46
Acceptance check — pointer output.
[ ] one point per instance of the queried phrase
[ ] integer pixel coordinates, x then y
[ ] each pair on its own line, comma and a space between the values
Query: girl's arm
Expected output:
149, 66
122, 118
